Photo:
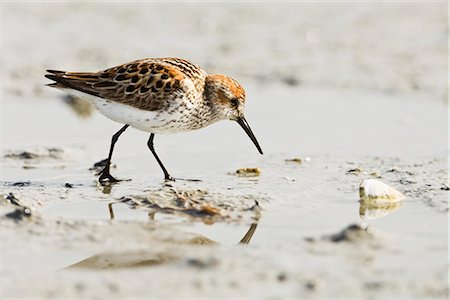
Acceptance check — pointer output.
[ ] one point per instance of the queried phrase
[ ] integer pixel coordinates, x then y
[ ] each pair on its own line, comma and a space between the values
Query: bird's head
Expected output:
227, 98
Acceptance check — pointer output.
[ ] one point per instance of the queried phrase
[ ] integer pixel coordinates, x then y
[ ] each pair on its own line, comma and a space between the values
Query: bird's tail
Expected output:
81, 81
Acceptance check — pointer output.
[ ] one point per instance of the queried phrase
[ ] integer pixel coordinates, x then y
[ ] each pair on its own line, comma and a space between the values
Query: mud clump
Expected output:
296, 160
353, 233
198, 204
444, 187
22, 155
291, 81
53, 153
21, 183
204, 263
248, 172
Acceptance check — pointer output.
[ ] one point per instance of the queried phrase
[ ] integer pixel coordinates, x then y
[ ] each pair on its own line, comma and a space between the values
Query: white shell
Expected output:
375, 190
378, 199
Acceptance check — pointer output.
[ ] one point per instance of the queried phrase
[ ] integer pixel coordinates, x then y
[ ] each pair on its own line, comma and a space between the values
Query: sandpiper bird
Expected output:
157, 95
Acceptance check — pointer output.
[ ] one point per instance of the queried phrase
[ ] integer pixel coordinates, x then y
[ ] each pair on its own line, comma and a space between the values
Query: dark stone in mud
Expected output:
310, 285
355, 171
21, 183
68, 185
26, 167
444, 187
203, 263
291, 81
352, 234
282, 277
373, 285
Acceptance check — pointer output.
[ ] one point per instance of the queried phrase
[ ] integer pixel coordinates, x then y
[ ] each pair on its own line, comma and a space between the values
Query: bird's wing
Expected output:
145, 84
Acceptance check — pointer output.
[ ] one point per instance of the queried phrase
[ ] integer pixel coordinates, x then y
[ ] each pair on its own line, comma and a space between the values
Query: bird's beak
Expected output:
243, 122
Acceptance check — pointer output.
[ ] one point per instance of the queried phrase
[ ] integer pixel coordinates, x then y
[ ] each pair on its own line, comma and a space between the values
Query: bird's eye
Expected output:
234, 102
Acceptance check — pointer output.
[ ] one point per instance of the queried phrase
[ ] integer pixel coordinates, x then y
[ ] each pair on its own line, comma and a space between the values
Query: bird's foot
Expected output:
167, 177
106, 178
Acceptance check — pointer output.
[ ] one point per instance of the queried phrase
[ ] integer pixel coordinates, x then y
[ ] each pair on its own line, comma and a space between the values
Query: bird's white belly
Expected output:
148, 121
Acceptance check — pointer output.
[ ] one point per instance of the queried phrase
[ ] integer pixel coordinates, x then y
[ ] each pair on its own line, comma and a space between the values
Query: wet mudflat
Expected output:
289, 224
306, 233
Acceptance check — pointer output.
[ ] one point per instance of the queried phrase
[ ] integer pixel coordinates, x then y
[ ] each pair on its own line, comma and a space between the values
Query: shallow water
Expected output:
315, 198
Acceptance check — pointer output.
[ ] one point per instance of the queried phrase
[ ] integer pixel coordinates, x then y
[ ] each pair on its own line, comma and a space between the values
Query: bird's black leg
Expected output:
104, 174
150, 146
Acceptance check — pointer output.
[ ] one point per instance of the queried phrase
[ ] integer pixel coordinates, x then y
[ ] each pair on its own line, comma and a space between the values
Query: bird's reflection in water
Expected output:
152, 257
81, 108
245, 239
123, 260
248, 236
106, 189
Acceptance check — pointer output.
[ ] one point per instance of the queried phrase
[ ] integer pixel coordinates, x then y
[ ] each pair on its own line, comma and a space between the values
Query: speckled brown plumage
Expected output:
145, 84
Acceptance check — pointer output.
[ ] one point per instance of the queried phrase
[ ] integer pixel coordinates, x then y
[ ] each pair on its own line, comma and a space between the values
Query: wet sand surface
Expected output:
296, 230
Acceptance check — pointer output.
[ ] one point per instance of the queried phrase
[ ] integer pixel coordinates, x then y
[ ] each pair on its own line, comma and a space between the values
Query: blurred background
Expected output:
388, 47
